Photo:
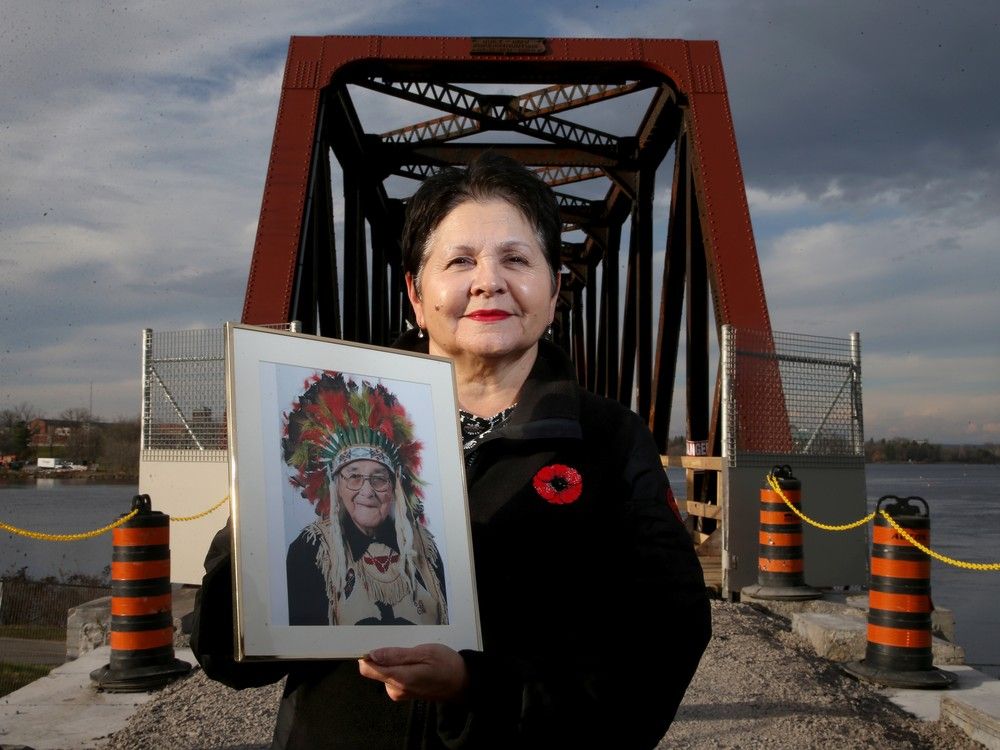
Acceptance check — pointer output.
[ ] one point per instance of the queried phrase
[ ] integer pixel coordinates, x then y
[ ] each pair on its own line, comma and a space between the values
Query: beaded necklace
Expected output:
475, 429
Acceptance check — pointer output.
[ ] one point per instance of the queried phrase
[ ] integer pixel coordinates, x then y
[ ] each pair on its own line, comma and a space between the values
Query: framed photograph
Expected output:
347, 483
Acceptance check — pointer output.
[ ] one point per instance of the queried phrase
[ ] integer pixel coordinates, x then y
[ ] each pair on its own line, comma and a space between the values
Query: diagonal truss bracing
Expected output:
563, 175
530, 114
552, 176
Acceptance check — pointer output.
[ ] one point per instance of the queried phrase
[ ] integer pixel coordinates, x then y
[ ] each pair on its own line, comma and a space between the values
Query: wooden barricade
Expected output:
708, 546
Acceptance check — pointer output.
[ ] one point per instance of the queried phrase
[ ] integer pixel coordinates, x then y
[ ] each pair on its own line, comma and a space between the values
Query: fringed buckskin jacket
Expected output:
592, 604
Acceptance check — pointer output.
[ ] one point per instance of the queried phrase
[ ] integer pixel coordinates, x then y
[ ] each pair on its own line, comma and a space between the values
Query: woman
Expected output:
369, 559
591, 600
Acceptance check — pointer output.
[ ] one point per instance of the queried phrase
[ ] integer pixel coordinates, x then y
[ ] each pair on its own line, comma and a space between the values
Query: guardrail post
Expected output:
779, 563
142, 621
899, 651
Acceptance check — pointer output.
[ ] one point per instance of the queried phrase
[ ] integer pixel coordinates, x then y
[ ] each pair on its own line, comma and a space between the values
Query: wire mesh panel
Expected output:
792, 395
184, 395
33, 625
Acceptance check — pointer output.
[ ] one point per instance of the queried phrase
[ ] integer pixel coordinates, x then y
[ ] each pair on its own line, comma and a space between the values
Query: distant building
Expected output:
52, 433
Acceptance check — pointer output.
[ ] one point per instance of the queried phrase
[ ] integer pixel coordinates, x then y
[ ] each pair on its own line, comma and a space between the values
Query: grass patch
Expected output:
16, 676
34, 632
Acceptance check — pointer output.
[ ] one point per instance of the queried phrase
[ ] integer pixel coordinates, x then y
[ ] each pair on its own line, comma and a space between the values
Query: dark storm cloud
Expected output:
872, 95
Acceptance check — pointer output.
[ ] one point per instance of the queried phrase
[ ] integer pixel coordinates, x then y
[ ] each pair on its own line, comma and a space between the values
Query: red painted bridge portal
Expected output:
545, 102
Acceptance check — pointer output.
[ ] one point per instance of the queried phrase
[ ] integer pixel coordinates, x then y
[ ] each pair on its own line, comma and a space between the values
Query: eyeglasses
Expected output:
354, 482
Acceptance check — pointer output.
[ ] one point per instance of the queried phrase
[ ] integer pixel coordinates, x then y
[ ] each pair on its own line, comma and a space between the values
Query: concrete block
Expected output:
857, 601
943, 624
835, 637
832, 602
844, 637
88, 626
776, 606
976, 715
946, 652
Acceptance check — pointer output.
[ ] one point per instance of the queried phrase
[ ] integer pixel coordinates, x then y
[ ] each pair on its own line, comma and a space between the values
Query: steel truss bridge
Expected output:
563, 107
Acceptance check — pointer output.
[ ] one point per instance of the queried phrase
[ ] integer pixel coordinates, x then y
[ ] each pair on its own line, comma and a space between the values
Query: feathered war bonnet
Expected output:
337, 420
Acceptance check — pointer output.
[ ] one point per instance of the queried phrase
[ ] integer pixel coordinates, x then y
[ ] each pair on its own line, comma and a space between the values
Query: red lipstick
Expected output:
489, 316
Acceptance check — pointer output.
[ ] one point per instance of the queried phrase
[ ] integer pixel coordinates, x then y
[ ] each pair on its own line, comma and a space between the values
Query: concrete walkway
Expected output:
64, 711
972, 704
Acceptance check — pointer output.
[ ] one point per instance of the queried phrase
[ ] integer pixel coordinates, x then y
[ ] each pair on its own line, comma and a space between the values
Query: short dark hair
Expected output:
489, 176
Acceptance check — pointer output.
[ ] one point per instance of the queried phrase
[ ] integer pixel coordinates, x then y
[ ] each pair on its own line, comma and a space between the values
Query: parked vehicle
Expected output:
54, 463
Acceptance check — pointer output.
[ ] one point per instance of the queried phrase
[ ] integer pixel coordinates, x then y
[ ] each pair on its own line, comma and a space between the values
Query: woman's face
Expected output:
486, 289
366, 506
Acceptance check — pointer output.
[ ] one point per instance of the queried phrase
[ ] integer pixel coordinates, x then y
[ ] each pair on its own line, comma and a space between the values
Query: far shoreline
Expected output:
96, 477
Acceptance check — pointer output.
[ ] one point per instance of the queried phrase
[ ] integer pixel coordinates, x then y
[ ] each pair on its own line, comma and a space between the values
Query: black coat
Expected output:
593, 612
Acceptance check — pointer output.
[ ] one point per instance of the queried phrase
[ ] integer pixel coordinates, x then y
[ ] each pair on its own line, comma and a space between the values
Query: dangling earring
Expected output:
549, 333
420, 333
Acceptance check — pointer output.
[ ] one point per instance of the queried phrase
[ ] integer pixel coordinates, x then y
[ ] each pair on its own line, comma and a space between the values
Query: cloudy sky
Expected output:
134, 140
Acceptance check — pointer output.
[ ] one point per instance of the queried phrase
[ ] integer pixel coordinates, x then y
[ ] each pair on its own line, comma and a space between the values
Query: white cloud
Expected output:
764, 201
921, 288
135, 142
885, 260
939, 416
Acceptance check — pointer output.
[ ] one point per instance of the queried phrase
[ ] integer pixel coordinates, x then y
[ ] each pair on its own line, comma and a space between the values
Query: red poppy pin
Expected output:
558, 484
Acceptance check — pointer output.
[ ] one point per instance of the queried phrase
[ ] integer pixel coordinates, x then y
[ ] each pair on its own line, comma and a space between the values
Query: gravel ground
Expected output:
196, 712
761, 686
758, 687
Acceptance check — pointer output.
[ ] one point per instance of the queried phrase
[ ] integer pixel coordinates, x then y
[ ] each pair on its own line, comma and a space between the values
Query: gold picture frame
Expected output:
274, 380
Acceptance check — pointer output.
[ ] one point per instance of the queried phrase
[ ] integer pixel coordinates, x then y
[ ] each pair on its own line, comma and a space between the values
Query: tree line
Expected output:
908, 450
904, 450
112, 446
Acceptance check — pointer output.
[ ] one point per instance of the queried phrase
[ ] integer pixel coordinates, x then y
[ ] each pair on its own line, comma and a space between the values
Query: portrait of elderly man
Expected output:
368, 557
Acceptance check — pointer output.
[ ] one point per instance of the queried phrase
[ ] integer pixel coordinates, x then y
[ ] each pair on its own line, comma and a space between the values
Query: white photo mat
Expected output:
266, 371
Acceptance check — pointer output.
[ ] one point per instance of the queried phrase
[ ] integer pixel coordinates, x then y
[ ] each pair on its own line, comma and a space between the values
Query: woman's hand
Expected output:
429, 672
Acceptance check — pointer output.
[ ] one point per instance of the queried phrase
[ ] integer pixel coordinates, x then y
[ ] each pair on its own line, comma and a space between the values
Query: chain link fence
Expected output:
792, 395
33, 627
183, 395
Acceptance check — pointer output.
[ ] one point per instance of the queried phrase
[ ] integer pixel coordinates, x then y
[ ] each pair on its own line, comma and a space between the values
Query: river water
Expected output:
60, 506
964, 505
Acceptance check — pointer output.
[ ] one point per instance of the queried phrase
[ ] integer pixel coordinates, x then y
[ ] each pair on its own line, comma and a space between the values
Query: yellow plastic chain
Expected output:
204, 513
773, 482
937, 556
67, 537
826, 527
97, 532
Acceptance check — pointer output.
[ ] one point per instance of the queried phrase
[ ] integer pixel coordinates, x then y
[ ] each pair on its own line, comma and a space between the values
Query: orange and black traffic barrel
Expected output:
142, 621
899, 652
780, 564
